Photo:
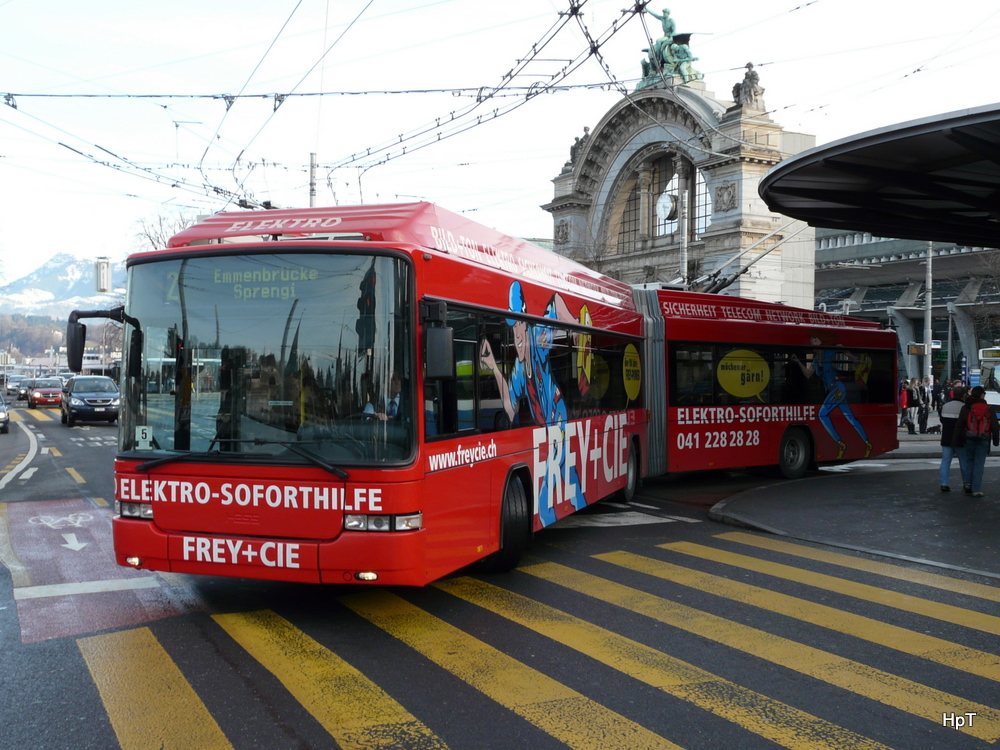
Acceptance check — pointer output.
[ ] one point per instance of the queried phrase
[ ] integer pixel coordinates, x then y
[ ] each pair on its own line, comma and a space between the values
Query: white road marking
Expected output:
86, 587
609, 519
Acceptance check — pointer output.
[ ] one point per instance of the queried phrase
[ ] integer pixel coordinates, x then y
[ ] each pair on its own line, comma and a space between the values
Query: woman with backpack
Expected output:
976, 427
949, 418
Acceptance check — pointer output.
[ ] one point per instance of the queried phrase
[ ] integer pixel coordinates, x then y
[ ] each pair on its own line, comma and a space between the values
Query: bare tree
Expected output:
155, 231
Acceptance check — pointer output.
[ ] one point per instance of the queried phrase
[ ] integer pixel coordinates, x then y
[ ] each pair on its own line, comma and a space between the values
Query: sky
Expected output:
116, 114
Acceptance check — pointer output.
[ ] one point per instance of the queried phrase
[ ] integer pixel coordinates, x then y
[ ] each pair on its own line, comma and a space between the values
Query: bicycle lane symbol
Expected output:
75, 520
71, 587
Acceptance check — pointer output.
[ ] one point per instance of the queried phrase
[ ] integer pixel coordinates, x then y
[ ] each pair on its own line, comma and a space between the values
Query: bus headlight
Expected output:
134, 510
370, 522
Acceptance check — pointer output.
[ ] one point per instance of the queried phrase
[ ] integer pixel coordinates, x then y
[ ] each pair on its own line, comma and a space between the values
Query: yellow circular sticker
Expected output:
631, 372
584, 354
743, 373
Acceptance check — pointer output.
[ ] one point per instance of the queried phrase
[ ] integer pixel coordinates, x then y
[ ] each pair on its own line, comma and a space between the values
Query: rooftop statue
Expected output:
749, 92
576, 149
670, 56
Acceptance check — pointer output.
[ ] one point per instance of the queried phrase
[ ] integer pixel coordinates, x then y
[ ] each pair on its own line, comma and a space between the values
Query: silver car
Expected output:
12, 383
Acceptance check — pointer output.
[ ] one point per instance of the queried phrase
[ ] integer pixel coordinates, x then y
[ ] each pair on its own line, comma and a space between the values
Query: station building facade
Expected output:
664, 190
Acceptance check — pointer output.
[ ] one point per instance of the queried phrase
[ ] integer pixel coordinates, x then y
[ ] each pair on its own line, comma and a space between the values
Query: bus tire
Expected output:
795, 453
515, 528
627, 493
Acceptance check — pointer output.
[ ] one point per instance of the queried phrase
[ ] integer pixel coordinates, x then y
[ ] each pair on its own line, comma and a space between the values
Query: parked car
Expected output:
90, 398
45, 392
13, 381
23, 387
4, 417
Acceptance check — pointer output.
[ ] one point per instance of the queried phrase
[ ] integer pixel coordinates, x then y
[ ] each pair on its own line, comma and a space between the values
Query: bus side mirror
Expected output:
439, 353
135, 354
76, 338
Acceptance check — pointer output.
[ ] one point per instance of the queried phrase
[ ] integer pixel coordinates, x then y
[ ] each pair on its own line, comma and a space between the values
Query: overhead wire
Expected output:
505, 90
457, 118
229, 101
278, 101
462, 122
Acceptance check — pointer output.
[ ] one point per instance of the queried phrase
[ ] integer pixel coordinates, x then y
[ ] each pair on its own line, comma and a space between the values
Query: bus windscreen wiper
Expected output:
310, 457
292, 446
174, 457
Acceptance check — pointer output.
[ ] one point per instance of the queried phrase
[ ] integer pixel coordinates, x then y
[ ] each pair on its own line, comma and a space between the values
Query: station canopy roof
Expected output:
936, 179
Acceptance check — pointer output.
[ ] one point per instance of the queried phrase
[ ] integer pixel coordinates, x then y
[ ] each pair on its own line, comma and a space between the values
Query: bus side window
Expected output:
449, 404
492, 415
693, 378
465, 389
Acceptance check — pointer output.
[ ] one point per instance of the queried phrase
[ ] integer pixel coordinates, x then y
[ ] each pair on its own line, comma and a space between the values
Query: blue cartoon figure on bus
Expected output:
531, 380
824, 365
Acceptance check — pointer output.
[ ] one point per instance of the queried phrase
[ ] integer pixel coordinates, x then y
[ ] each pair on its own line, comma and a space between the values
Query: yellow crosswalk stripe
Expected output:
356, 712
13, 463
776, 721
558, 710
15, 416
892, 690
76, 475
149, 702
40, 415
900, 639
933, 580
904, 602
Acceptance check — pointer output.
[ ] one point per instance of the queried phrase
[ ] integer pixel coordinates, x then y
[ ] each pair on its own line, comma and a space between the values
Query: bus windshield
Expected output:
282, 357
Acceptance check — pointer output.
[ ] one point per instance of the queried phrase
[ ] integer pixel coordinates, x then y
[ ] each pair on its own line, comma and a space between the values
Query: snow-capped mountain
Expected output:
63, 284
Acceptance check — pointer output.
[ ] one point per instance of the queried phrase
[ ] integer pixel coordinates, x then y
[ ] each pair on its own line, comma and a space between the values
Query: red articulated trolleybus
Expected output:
390, 393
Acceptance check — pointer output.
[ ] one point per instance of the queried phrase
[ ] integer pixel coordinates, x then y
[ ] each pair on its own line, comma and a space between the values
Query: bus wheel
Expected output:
794, 454
626, 493
515, 529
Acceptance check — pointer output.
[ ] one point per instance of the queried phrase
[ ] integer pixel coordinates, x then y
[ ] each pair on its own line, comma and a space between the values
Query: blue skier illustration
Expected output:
836, 392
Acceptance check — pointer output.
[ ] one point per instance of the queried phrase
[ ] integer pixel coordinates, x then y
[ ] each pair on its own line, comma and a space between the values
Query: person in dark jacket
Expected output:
974, 450
949, 418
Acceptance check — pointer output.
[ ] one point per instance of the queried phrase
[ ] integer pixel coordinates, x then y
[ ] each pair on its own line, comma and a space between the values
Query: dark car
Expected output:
4, 418
23, 387
45, 392
90, 398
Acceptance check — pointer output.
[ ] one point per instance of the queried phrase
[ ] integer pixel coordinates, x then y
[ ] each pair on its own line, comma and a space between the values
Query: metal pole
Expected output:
928, 300
683, 227
312, 180
947, 367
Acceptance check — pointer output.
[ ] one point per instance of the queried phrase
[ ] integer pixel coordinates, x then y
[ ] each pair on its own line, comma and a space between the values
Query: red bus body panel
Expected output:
749, 434
286, 523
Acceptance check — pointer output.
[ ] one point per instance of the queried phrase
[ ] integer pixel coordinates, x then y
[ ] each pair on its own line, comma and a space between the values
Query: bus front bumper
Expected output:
389, 558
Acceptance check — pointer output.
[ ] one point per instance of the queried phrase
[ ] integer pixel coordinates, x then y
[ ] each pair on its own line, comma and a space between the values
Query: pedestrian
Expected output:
949, 418
938, 396
912, 404
977, 426
903, 403
924, 403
